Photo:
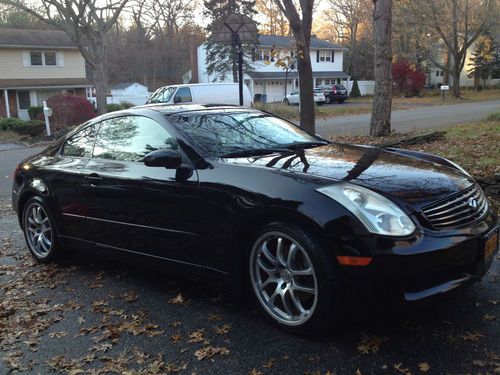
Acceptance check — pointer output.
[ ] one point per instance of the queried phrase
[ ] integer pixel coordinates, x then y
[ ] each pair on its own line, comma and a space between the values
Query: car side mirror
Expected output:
170, 159
177, 99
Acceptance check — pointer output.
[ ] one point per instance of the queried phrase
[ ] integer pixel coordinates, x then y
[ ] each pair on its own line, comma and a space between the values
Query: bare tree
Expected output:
347, 18
457, 23
86, 22
382, 97
274, 22
301, 28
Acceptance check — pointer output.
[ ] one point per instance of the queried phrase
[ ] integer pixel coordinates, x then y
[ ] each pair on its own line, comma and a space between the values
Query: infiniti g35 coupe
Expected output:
247, 196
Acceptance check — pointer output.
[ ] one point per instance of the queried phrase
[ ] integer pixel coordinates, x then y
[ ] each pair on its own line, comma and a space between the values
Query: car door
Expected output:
294, 97
133, 207
62, 173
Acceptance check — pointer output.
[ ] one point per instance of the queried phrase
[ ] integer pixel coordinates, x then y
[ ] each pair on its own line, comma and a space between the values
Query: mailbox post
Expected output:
444, 88
47, 112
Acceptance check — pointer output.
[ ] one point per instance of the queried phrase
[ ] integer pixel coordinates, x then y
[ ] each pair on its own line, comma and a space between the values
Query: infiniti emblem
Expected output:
473, 203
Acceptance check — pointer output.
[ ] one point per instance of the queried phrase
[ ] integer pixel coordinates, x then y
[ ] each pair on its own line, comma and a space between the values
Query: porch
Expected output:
17, 95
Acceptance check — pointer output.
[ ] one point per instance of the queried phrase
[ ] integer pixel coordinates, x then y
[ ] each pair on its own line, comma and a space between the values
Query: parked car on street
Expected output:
334, 93
251, 198
294, 97
201, 93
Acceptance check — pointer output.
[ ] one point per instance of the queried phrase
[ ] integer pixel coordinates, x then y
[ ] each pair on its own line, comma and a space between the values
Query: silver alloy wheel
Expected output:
38, 230
283, 278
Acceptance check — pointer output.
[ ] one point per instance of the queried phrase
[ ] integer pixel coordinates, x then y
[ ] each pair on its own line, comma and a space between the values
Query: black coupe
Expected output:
250, 197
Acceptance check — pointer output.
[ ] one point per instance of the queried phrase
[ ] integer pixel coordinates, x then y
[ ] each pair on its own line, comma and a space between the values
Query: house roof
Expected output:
124, 85
286, 41
294, 74
22, 38
44, 83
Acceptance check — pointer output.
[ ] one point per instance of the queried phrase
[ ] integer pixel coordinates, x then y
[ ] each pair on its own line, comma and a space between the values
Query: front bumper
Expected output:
431, 264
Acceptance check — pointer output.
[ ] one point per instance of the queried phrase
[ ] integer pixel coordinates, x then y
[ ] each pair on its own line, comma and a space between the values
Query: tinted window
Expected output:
162, 95
340, 87
216, 134
130, 138
81, 143
183, 95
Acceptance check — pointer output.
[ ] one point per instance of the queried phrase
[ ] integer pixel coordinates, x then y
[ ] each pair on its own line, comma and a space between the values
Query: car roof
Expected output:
169, 109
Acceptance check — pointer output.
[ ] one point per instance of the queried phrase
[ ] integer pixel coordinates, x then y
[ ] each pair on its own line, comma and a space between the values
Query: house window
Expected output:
318, 82
24, 99
441, 73
437, 73
36, 59
50, 58
325, 56
262, 55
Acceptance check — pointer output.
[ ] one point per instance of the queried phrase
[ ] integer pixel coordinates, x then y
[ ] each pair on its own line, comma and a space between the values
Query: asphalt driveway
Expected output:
89, 315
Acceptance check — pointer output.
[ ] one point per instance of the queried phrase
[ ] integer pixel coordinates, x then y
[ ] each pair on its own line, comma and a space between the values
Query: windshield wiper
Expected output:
254, 152
301, 145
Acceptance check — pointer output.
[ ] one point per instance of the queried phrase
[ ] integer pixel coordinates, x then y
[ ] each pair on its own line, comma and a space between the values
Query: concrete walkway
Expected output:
410, 119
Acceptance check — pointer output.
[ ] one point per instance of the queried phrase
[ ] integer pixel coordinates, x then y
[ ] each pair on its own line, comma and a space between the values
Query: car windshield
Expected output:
162, 95
222, 134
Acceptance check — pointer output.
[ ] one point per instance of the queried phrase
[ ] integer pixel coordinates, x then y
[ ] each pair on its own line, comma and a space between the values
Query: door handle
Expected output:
93, 178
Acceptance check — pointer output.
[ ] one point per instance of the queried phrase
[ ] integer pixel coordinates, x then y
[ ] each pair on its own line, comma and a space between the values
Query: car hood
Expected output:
403, 178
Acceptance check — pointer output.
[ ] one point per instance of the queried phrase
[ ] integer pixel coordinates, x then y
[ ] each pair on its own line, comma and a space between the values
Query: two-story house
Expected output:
37, 64
268, 79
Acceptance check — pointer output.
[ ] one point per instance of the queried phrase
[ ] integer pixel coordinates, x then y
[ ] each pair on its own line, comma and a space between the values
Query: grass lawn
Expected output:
364, 104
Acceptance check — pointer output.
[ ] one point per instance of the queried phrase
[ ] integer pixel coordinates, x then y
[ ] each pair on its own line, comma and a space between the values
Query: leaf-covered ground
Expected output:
88, 315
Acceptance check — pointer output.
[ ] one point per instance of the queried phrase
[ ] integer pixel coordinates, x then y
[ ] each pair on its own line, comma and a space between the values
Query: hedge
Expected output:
31, 127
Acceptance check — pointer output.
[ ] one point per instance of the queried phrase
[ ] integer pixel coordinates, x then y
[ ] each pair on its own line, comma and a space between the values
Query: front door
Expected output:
134, 208
23, 103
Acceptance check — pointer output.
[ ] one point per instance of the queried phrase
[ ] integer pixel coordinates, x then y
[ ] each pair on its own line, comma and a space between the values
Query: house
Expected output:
436, 76
131, 92
267, 80
37, 64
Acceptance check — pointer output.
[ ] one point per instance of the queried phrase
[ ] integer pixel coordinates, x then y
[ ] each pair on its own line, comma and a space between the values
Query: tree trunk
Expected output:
306, 85
456, 79
382, 97
101, 87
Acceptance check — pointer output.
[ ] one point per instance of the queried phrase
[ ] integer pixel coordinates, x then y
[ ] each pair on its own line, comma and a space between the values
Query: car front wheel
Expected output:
39, 230
286, 102
293, 278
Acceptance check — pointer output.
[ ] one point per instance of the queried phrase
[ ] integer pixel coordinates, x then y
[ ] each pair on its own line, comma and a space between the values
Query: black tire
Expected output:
324, 306
286, 102
341, 101
328, 100
46, 249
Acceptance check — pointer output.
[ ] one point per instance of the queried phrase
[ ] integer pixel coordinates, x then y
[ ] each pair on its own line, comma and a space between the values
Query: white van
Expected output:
201, 93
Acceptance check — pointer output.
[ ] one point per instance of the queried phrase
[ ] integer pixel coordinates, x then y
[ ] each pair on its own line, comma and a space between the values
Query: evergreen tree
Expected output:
355, 93
482, 60
222, 58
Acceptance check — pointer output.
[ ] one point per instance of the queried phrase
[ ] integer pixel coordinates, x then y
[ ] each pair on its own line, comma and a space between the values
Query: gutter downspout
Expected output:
7, 104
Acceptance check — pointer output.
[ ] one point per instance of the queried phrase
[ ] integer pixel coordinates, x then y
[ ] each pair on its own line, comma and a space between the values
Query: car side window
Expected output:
80, 144
183, 95
130, 138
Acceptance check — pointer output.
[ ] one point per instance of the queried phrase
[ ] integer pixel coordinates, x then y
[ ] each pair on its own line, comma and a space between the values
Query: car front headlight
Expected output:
377, 213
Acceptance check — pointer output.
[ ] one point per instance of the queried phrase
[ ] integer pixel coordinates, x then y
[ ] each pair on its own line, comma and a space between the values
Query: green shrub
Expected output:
113, 107
31, 127
495, 116
355, 93
35, 111
126, 105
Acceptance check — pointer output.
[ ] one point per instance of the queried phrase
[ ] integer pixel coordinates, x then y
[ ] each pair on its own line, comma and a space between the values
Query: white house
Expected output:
131, 92
436, 74
37, 64
269, 80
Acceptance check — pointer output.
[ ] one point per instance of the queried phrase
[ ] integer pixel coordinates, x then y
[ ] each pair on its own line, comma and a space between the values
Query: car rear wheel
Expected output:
341, 101
39, 230
293, 278
328, 100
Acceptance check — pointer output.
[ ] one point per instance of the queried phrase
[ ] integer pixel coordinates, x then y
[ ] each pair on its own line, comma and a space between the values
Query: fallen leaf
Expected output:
399, 367
209, 351
176, 338
489, 317
471, 336
370, 343
424, 367
269, 364
177, 300
222, 330
81, 320
197, 336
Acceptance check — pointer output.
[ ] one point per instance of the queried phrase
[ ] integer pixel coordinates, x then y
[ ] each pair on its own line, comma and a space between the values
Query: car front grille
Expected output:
458, 210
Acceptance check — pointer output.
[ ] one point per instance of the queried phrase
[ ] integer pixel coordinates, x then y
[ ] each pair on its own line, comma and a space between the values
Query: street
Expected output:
97, 316
410, 119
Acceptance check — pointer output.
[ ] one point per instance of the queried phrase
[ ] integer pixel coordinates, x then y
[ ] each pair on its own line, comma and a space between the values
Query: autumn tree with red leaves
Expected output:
408, 79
